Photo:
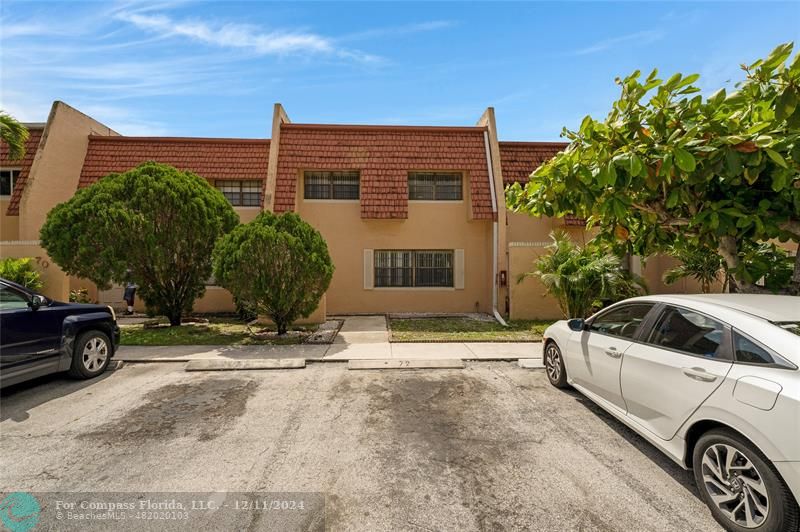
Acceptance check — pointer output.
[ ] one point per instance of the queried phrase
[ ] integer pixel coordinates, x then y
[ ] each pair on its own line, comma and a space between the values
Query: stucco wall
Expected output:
528, 236
653, 270
9, 225
55, 171
56, 282
430, 225
528, 298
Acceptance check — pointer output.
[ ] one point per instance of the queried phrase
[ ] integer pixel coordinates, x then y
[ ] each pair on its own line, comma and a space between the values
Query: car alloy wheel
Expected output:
95, 353
552, 362
735, 486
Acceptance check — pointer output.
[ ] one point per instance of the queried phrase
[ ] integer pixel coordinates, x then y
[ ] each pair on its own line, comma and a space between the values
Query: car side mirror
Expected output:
576, 324
36, 302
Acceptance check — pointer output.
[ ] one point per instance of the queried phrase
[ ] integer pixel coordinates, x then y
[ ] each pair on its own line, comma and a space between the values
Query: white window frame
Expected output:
14, 178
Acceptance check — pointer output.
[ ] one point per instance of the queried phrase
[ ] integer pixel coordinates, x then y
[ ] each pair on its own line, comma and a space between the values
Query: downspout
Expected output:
495, 231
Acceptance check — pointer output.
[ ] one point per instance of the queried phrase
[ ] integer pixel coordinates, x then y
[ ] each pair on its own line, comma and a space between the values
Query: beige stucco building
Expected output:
414, 216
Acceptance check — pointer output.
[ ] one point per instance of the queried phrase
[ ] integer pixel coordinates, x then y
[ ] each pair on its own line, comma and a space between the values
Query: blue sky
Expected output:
215, 69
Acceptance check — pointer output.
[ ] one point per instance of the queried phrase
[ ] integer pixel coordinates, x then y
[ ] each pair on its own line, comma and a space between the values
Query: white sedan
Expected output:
712, 381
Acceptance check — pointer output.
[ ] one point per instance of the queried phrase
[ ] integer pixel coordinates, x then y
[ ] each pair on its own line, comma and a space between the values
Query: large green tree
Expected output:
153, 225
668, 166
277, 264
14, 134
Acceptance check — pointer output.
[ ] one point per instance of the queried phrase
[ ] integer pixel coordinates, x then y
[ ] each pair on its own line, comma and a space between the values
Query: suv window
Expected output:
11, 299
622, 321
750, 352
688, 331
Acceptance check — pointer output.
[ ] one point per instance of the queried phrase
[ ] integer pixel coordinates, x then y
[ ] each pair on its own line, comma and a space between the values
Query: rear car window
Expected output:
750, 352
688, 331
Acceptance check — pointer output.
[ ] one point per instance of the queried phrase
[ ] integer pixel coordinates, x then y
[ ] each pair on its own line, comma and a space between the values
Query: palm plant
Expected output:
703, 264
582, 279
14, 134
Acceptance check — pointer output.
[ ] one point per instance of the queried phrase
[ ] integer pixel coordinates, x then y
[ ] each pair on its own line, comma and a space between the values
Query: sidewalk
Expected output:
333, 352
360, 338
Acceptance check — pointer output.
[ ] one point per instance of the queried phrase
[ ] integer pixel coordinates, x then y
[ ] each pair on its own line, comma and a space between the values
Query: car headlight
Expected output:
113, 314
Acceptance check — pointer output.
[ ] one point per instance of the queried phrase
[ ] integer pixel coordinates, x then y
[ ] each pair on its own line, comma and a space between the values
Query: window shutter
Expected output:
458, 270
369, 269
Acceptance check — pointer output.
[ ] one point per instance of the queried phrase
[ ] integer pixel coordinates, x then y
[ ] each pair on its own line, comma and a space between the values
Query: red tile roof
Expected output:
31, 145
208, 158
520, 159
384, 155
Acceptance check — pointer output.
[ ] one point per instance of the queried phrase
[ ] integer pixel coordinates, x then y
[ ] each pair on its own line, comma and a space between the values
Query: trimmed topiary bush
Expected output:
277, 264
153, 225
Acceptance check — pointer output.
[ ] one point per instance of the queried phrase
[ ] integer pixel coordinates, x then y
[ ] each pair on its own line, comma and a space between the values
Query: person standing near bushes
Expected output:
129, 295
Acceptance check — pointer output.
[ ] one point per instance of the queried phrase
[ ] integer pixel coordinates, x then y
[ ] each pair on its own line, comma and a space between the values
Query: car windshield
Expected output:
791, 326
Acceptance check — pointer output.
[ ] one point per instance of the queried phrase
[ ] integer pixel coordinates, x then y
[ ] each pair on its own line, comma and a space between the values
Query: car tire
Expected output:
554, 365
91, 354
750, 497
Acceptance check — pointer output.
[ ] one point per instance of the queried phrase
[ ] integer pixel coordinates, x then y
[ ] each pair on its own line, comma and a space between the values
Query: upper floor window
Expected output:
331, 185
436, 186
241, 193
7, 179
406, 268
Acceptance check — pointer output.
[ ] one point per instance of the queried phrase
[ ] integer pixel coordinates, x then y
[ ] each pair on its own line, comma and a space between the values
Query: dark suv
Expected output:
40, 336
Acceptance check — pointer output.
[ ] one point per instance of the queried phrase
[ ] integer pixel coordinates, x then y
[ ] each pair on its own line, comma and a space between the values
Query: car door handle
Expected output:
613, 353
699, 374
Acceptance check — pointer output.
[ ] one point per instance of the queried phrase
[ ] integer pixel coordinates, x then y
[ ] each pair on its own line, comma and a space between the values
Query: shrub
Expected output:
583, 279
245, 311
278, 265
21, 271
153, 225
81, 295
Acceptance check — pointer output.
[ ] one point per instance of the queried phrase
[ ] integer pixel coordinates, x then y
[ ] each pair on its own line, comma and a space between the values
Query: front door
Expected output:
680, 362
594, 356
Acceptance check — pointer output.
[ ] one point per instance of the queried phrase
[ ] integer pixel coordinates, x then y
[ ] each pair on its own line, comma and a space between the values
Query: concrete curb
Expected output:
234, 365
394, 363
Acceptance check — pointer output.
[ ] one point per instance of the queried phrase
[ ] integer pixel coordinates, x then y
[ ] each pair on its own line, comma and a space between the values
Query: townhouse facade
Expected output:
414, 216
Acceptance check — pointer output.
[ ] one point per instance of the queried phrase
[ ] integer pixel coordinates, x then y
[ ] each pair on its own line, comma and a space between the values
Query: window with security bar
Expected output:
331, 185
241, 193
407, 268
435, 186
7, 179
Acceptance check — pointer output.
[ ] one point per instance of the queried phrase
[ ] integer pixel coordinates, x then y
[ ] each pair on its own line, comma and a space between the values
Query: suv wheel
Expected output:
554, 365
740, 486
91, 355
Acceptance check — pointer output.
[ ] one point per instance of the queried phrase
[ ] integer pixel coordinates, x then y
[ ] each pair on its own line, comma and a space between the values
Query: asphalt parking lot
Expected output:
490, 447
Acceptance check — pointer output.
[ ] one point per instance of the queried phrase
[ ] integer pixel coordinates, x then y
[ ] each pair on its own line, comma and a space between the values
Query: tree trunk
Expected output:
729, 251
174, 319
282, 327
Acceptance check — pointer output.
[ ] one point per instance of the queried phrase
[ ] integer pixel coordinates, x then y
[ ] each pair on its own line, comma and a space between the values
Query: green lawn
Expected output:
465, 329
219, 331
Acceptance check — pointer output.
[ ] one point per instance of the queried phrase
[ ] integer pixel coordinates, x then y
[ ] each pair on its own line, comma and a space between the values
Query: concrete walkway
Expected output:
360, 338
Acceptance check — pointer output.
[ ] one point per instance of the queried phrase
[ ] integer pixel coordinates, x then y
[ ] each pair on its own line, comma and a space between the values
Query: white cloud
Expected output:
229, 35
638, 38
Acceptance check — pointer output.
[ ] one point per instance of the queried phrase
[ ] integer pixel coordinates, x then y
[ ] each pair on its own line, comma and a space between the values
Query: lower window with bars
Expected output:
408, 268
